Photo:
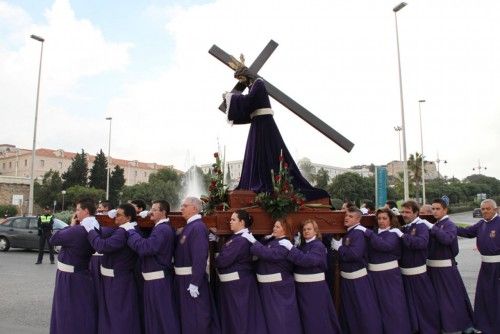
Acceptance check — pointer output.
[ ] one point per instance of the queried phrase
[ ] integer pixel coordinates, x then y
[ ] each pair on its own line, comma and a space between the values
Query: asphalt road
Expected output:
26, 289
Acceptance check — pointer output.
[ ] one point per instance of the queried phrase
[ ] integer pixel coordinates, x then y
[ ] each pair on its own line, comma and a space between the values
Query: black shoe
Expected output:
39, 262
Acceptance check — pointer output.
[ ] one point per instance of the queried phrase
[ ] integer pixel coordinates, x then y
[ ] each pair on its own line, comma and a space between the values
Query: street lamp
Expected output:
422, 149
63, 193
109, 157
405, 163
32, 175
438, 162
479, 167
398, 130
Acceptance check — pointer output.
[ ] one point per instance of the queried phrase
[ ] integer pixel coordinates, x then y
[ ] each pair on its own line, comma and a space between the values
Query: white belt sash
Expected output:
414, 270
183, 271
261, 111
107, 272
355, 274
383, 266
152, 275
439, 263
270, 278
309, 278
490, 258
65, 267
97, 254
234, 276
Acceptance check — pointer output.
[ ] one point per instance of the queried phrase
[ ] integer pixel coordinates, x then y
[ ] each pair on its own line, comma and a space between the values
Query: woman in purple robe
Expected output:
384, 251
313, 296
276, 284
264, 142
240, 304
118, 302
74, 304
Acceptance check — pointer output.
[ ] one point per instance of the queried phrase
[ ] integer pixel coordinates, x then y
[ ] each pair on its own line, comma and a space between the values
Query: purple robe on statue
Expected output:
487, 300
384, 250
420, 295
118, 304
198, 315
264, 144
74, 303
240, 304
278, 295
317, 312
359, 308
454, 305
156, 252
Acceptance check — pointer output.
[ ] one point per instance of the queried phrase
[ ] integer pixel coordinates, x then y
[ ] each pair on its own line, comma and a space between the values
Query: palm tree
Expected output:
415, 169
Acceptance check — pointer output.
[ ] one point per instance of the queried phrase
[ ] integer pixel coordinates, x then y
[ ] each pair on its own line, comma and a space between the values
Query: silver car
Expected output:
22, 232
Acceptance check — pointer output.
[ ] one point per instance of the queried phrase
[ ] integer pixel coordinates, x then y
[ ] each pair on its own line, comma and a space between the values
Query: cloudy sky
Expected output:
146, 65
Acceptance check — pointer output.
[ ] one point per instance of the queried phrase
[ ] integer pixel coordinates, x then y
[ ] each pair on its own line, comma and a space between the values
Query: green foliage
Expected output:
49, 190
217, 190
322, 179
76, 175
353, 187
8, 210
337, 203
75, 193
116, 183
98, 175
65, 216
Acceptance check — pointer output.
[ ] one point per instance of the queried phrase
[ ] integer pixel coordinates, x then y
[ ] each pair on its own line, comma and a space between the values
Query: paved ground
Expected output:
26, 289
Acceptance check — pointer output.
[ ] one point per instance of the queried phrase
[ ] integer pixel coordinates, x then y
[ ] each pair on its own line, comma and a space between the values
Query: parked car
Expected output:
477, 213
22, 232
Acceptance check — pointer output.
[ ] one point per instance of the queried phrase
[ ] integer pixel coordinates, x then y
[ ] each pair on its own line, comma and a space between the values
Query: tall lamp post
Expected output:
398, 130
32, 174
109, 157
63, 192
422, 149
479, 167
405, 162
438, 162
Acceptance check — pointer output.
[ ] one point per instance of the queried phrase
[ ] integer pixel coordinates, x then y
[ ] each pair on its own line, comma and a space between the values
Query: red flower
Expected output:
285, 165
281, 157
216, 154
277, 178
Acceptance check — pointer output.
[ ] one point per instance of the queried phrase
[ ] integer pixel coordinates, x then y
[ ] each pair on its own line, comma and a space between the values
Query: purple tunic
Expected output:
420, 295
315, 303
156, 252
386, 247
359, 308
74, 303
278, 298
118, 305
454, 304
198, 315
264, 144
487, 301
95, 263
240, 304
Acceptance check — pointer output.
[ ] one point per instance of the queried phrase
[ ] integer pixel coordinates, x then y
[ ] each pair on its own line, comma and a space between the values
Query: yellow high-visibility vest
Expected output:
45, 219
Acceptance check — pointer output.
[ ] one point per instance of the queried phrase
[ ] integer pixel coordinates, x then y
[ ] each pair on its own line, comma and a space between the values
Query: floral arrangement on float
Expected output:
217, 191
284, 199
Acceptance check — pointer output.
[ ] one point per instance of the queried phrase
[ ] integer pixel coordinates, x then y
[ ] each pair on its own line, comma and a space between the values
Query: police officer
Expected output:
45, 223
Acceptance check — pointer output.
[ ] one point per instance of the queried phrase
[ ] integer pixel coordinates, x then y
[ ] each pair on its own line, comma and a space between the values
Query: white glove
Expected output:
144, 214
426, 223
267, 237
193, 290
249, 237
212, 237
361, 228
397, 231
286, 243
112, 213
90, 224
335, 244
127, 226
296, 240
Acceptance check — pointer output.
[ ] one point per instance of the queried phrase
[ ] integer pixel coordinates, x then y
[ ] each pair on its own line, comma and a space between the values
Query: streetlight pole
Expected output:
438, 162
109, 157
422, 149
479, 167
32, 174
63, 193
405, 162
398, 130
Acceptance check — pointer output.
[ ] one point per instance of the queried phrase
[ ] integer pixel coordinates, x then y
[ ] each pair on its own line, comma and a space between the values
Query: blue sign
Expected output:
380, 186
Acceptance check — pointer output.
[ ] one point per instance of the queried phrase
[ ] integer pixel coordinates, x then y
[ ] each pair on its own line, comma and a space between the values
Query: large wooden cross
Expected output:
281, 97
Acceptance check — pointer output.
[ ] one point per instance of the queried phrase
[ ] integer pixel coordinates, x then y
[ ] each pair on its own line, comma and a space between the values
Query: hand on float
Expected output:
90, 224
127, 226
193, 290
335, 244
112, 213
144, 214
296, 240
286, 243
426, 223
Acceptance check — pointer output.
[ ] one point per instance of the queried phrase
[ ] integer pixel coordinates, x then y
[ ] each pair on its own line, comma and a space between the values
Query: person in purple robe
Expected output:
74, 302
384, 251
455, 308
264, 142
239, 298
487, 300
358, 304
118, 301
420, 295
316, 308
197, 308
276, 283
156, 252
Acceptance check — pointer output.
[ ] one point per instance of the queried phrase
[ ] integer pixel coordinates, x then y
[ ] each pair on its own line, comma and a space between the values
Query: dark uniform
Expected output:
45, 223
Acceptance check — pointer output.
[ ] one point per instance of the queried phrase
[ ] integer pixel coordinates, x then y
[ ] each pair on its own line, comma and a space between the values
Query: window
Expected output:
25, 162
3, 165
33, 225
10, 164
42, 163
19, 223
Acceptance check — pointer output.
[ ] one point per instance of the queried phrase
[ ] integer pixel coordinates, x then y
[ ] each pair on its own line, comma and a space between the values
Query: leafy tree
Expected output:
116, 183
75, 193
307, 169
322, 179
415, 171
352, 186
49, 190
98, 172
77, 173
